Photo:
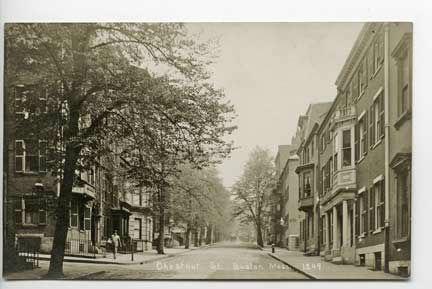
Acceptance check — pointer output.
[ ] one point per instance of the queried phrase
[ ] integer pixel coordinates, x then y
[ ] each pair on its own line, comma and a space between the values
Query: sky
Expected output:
271, 72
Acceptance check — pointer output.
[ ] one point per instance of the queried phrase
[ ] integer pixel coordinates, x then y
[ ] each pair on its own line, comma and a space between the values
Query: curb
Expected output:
292, 267
95, 261
87, 276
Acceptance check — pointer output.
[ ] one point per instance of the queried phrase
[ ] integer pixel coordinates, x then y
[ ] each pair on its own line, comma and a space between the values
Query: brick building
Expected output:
307, 171
100, 204
365, 154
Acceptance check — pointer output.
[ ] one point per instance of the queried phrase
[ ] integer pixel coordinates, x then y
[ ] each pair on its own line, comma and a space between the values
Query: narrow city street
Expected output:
220, 261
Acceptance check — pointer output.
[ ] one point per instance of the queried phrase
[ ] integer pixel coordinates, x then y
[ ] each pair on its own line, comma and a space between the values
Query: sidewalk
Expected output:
316, 268
126, 259
76, 272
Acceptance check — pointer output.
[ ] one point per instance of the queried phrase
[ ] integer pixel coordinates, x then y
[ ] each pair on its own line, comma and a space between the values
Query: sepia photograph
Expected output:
222, 144
207, 150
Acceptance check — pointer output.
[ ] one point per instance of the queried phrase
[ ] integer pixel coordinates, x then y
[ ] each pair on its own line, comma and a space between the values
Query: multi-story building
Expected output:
307, 171
400, 147
278, 196
365, 153
100, 203
290, 215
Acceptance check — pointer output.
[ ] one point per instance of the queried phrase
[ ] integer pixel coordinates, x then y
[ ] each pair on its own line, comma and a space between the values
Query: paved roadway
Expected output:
222, 261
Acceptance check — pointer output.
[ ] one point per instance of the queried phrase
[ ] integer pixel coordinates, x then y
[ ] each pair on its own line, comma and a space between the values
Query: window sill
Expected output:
361, 159
377, 143
401, 240
361, 94
379, 230
31, 225
402, 119
377, 70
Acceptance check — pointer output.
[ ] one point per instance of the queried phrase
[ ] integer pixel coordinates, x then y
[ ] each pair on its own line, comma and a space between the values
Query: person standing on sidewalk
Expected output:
115, 242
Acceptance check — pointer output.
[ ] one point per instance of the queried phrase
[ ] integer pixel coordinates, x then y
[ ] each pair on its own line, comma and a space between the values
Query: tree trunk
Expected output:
196, 237
188, 234
62, 214
79, 40
209, 235
259, 236
160, 243
200, 236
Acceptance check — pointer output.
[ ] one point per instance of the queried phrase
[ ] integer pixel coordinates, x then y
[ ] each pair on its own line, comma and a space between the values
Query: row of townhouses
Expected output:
344, 182
102, 202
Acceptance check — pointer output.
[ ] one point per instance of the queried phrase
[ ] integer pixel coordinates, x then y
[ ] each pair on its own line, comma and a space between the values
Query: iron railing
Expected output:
28, 251
83, 247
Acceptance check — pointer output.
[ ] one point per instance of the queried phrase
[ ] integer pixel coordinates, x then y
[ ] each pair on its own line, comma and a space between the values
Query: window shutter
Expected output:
357, 143
357, 219
381, 113
365, 71
365, 137
366, 211
354, 86
381, 48
19, 155
372, 209
371, 66
371, 126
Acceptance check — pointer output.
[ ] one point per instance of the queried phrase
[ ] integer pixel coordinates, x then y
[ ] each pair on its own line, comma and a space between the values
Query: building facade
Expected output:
100, 201
308, 173
365, 154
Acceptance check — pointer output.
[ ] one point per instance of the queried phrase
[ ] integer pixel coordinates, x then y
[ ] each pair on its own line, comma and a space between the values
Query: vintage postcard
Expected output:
148, 150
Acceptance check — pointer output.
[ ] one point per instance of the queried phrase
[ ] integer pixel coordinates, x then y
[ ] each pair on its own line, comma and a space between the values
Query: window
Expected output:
18, 208
87, 218
346, 148
357, 217
326, 177
371, 62
362, 77
372, 210
19, 156
331, 169
403, 58
312, 148
355, 86
30, 211
30, 155
378, 115
378, 52
138, 229
403, 198
361, 137
91, 176
43, 212
380, 200
335, 162
306, 184
330, 215
74, 214
404, 88
363, 212
306, 155
21, 97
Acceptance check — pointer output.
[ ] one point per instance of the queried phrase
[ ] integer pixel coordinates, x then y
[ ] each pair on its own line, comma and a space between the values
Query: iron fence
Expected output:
83, 248
28, 251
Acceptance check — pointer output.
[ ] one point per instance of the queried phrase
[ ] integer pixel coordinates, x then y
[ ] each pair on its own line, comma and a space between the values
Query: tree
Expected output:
252, 191
199, 199
102, 80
